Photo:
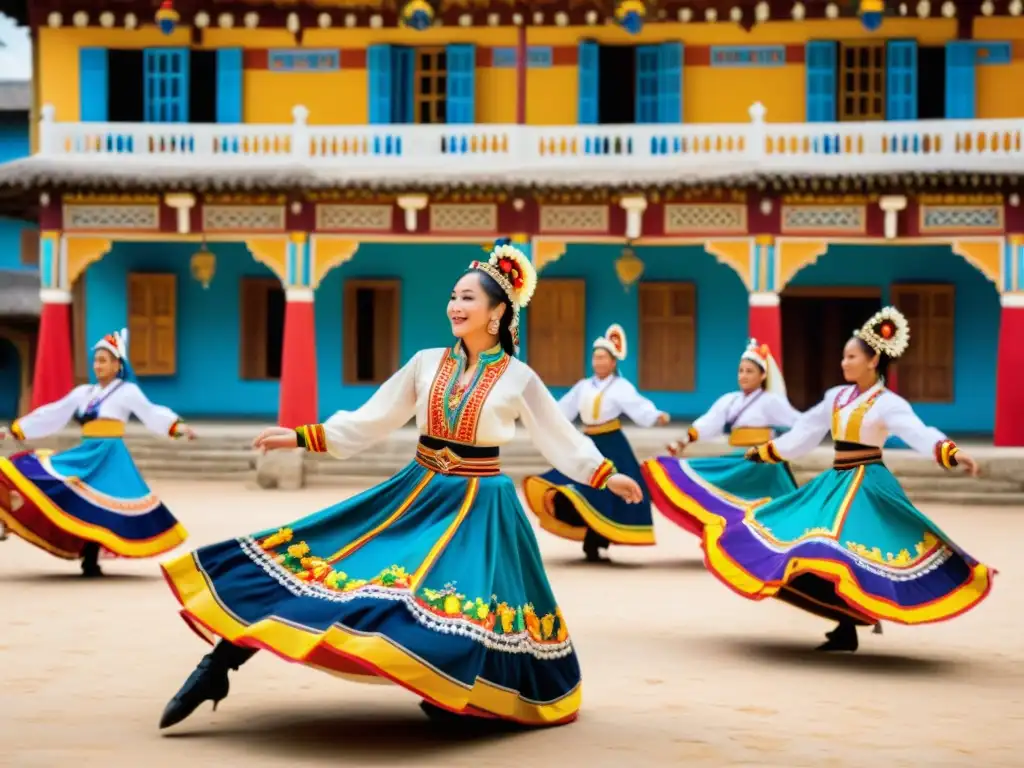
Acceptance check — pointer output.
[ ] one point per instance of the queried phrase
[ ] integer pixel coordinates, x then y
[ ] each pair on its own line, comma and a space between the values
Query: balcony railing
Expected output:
914, 146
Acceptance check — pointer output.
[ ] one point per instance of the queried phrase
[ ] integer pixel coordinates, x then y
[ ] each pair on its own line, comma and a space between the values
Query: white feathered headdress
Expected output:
613, 342
887, 332
115, 343
761, 355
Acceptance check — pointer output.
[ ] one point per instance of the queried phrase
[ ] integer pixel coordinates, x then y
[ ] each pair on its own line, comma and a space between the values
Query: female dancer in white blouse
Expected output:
749, 418
596, 517
75, 503
432, 579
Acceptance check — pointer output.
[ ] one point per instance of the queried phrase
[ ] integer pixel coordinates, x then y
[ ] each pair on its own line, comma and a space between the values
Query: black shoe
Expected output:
209, 682
842, 638
592, 546
470, 723
439, 714
90, 561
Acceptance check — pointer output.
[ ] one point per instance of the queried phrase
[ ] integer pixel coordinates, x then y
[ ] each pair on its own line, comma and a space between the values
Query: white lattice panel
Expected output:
354, 218
689, 218
464, 217
243, 218
111, 217
574, 218
961, 218
850, 219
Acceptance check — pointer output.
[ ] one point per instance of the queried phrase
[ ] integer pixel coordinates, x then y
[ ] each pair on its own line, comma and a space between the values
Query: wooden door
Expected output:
254, 302
152, 323
556, 341
668, 337
926, 369
371, 312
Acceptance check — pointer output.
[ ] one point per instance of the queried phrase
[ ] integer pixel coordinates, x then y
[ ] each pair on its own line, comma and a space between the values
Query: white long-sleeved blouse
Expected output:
502, 390
864, 418
597, 401
758, 409
117, 401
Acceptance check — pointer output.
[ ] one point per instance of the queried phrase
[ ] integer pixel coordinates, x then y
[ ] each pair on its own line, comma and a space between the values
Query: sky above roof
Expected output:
15, 51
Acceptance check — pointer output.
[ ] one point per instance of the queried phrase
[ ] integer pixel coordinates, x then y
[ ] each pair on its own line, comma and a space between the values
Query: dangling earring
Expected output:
492, 327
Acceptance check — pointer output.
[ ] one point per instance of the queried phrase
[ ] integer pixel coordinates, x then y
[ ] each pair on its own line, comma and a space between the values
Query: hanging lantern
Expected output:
871, 14
203, 266
418, 15
628, 267
166, 17
630, 15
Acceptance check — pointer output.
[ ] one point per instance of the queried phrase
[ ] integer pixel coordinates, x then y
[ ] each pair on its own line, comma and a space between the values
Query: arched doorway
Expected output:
10, 380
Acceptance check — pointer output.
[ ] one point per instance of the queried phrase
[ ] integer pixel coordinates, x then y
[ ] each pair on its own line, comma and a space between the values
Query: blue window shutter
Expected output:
403, 81
229, 85
901, 80
670, 83
586, 112
92, 85
166, 93
647, 70
960, 80
461, 94
821, 81
378, 66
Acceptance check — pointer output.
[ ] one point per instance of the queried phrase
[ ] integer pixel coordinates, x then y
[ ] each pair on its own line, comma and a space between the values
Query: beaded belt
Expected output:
748, 436
457, 459
853, 455
602, 429
103, 428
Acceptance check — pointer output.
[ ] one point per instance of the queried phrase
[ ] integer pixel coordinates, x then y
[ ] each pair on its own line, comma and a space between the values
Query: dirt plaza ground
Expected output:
677, 670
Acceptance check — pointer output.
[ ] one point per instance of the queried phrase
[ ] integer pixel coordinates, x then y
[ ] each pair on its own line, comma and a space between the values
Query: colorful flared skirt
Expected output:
567, 510
90, 493
431, 581
732, 477
849, 545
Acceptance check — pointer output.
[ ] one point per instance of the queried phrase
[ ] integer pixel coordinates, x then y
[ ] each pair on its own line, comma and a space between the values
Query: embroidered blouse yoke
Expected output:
597, 401
502, 390
739, 409
116, 402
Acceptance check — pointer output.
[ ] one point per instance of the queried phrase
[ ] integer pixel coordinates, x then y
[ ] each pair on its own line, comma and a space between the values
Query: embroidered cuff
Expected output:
174, 431
600, 477
945, 453
312, 437
15, 430
766, 453
691, 435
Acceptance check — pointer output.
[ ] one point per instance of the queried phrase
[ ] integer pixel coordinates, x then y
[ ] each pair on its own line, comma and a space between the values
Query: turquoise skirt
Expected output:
670, 480
431, 581
90, 493
849, 545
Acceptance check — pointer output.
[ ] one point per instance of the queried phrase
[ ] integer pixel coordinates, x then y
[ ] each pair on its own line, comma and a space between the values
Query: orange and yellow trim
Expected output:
767, 453
691, 435
540, 498
345, 653
601, 475
945, 453
151, 547
313, 438
16, 431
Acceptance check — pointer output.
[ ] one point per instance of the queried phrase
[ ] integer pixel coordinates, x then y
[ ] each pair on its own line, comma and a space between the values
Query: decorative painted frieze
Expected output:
748, 55
300, 60
961, 218
592, 219
354, 218
243, 218
685, 219
824, 219
136, 218
464, 217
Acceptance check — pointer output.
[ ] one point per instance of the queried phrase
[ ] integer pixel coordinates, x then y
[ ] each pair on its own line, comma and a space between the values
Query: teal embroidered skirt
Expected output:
432, 581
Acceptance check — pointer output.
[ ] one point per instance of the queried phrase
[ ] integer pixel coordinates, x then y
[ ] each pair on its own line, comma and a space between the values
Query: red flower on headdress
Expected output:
887, 330
511, 269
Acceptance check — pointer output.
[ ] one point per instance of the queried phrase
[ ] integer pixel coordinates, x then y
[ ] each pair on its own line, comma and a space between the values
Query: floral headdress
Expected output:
761, 355
613, 342
510, 269
887, 333
116, 343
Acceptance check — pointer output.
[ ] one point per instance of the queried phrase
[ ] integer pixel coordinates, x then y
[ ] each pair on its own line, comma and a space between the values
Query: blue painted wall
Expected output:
977, 319
14, 144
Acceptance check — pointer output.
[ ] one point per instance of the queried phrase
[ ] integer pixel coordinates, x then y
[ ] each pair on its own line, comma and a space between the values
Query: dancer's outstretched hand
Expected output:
968, 463
3, 433
676, 448
275, 438
625, 488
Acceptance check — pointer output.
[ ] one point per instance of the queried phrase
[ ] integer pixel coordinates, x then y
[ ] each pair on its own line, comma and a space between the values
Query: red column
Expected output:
54, 374
766, 322
298, 404
521, 54
1009, 418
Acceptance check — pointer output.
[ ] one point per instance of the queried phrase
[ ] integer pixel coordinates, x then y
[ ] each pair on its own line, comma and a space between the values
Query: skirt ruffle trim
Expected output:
360, 657
539, 495
35, 503
672, 502
864, 607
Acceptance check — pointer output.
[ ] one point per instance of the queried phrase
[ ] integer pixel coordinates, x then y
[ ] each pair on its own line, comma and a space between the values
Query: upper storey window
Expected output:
422, 85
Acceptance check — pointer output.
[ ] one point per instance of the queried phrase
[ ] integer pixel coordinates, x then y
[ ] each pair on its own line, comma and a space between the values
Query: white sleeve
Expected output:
50, 418
808, 430
569, 451
155, 418
569, 403
901, 421
780, 411
641, 410
390, 407
712, 424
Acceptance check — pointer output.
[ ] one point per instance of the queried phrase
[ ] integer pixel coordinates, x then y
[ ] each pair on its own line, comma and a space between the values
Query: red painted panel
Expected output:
759, 223
697, 56
168, 218
795, 54
353, 58
654, 220
254, 58
484, 56
1013, 217
875, 220
564, 56
52, 216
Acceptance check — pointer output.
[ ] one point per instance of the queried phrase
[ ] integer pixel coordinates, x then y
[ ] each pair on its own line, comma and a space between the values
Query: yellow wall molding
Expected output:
271, 252
793, 255
547, 252
328, 252
736, 254
83, 251
986, 256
